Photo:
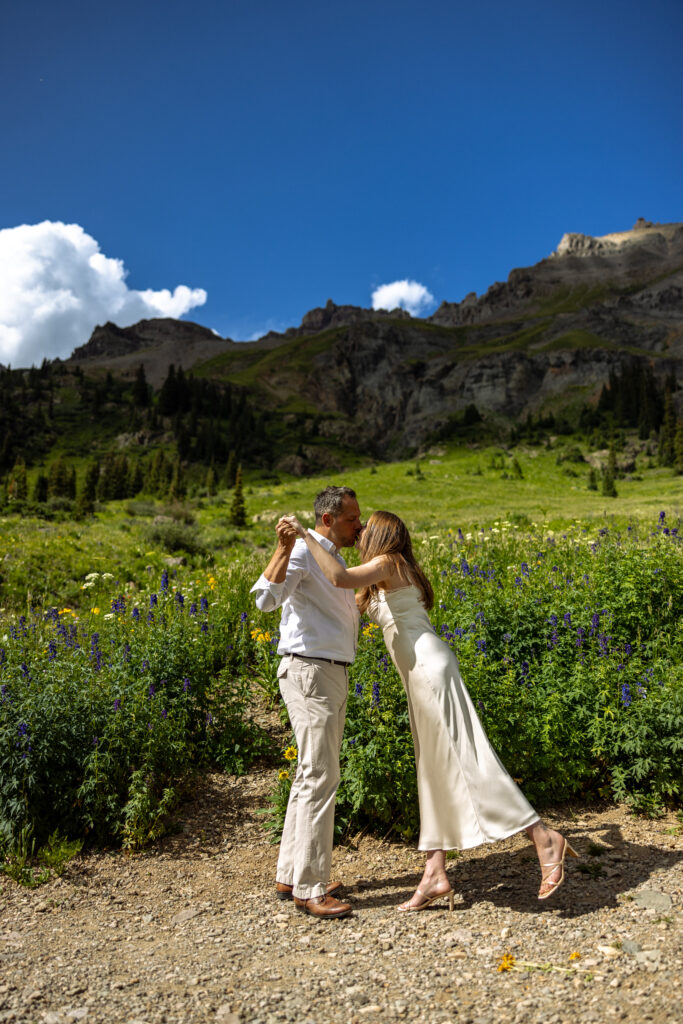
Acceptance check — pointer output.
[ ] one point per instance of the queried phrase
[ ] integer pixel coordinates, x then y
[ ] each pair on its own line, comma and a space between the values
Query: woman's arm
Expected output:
338, 575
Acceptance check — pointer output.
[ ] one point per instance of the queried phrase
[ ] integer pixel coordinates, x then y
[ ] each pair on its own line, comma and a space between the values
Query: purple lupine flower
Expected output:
662, 517
209, 718
52, 650
126, 652
243, 615
22, 729
164, 713
481, 646
524, 569
193, 608
24, 669
625, 694
117, 704
375, 693
186, 684
164, 581
567, 618
152, 690
136, 614
507, 637
524, 669
359, 690
205, 627
180, 600
153, 600
204, 605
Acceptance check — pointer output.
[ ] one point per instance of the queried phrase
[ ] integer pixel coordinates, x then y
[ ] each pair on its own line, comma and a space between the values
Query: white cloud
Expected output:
56, 286
410, 295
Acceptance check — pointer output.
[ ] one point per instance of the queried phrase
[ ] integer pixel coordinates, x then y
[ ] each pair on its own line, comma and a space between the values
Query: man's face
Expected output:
345, 528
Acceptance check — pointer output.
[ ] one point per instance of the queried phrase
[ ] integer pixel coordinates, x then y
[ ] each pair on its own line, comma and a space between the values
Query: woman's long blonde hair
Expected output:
386, 534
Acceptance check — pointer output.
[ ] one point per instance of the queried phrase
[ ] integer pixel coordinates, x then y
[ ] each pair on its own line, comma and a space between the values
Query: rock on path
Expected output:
191, 932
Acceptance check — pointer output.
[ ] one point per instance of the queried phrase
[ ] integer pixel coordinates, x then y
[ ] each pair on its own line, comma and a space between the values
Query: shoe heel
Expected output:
451, 900
571, 851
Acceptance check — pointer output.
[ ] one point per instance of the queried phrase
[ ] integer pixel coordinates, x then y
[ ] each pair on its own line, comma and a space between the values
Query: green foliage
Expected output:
106, 716
571, 647
238, 512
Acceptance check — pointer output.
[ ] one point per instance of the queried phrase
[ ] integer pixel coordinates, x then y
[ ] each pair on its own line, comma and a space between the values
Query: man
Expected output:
318, 637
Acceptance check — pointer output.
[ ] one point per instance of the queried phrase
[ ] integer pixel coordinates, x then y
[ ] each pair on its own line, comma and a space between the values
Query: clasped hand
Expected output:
289, 527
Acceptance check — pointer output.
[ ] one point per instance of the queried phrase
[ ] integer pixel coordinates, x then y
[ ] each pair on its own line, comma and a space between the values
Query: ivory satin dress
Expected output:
466, 795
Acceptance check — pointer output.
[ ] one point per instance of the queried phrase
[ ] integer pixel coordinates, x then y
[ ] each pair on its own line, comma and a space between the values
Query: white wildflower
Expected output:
92, 576
109, 615
107, 575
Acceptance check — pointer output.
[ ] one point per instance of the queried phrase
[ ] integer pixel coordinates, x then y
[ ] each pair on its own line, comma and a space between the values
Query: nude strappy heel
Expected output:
566, 849
428, 900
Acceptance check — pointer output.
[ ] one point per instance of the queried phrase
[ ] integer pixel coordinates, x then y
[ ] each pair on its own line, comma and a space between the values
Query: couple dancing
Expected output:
466, 797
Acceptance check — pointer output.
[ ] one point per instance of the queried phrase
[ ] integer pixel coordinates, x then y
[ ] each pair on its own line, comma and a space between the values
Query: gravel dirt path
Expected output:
192, 932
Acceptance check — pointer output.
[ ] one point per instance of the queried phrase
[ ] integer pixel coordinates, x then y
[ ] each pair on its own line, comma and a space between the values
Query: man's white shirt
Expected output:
318, 620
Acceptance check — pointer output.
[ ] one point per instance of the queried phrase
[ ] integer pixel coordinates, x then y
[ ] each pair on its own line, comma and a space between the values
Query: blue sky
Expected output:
277, 155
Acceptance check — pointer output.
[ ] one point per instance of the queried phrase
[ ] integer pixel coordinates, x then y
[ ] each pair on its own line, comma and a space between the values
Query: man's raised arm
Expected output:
269, 587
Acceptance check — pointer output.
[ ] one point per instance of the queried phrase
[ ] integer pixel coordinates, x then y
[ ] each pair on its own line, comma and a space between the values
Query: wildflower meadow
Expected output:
570, 643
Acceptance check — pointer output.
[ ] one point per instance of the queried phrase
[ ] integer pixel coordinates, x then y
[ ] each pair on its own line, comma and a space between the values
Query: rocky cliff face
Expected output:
544, 340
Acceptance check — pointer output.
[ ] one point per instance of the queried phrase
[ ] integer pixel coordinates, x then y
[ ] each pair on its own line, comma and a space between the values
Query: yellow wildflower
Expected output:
95, 611
507, 962
65, 611
574, 956
284, 774
291, 754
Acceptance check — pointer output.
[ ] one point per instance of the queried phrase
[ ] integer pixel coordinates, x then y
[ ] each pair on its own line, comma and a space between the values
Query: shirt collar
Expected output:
325, 541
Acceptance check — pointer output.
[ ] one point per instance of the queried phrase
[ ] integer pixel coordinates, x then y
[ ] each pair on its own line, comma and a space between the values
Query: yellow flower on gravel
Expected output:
507, 962
284, 774
574, 956
291, 754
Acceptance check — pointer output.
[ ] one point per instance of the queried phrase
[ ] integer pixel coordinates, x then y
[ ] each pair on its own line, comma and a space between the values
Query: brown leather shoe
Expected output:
286, 892
323, 906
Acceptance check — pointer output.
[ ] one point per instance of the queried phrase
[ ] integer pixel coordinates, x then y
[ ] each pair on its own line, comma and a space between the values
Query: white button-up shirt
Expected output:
318, 620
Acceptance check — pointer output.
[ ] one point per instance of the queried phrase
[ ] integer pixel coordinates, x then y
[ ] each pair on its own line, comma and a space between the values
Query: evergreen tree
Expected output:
230, 471
210, 481
158, 475
91, 480
40, 489
59, 479
168, 396
136, 480
592, 480
140, 393
678, 447
608, 488
238, 512
17, 489
667, 433
177, 490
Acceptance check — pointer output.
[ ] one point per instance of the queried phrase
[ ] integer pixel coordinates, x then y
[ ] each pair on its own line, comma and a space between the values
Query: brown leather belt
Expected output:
330, 661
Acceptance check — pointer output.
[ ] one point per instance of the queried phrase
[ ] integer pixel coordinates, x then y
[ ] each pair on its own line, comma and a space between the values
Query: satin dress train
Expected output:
466, 795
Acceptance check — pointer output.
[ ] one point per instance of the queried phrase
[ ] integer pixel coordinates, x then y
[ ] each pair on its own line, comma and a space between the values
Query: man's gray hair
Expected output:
330, 500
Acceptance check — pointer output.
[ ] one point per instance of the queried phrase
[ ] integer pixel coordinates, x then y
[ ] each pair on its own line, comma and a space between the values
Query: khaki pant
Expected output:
315, 695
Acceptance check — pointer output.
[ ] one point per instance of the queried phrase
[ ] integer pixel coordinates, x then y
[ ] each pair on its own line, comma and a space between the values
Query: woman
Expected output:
466, 796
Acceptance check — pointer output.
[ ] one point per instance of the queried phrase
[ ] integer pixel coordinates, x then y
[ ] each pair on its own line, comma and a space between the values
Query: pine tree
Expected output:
140, 392
59, 479
40, 489
177, 490
678, 447
238, 512
17, 489
91, 480
230, 471
136, 480
592, 480
609, 489
666, 455
168, 396
210, 481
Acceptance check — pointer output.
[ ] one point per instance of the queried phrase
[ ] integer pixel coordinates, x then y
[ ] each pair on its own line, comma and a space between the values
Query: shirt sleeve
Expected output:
269, 595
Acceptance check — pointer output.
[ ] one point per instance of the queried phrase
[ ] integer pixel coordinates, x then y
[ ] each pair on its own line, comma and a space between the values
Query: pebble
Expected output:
200, 936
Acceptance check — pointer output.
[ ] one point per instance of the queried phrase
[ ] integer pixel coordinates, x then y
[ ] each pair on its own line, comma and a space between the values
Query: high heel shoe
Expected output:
566, 849
427, 901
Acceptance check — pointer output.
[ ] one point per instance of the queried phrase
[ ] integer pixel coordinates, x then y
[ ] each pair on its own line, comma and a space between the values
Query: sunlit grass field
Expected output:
44, 562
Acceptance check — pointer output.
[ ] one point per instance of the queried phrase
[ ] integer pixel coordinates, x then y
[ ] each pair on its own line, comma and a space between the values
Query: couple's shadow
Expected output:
510, 880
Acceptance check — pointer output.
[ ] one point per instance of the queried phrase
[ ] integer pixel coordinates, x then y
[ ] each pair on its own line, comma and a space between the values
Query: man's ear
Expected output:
328, 519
